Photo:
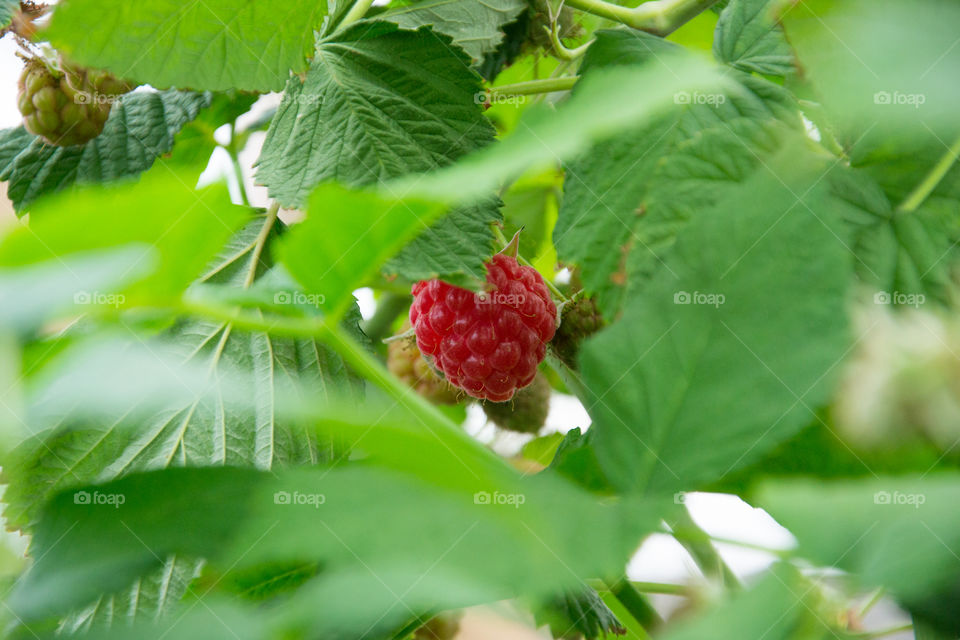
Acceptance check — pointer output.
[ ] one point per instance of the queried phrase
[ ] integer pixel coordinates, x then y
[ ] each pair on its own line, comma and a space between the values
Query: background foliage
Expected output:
200, 439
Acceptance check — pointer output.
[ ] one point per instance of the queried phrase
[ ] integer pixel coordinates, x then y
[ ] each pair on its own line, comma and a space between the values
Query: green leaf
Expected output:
626, 198
148, 598
141, 128
910, 254
345, 236
212, 45
454, 248
548, 134
474, 25
898, 531
582, 612
748, 38
213, 430
239, 518
781, 606
863, 83
185, 227
377, 103
7, 10
700, 376
32, 295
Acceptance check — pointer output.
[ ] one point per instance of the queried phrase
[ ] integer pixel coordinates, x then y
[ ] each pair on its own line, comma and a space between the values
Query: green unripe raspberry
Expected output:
405, 361
526, 412
578, 320
66, 107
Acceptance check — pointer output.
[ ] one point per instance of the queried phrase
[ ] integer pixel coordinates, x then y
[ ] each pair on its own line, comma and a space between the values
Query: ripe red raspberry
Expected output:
487, 344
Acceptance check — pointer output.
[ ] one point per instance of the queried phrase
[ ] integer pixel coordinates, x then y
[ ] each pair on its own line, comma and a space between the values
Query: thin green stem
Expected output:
559, 49
356, 12
261, 242
237, 169
389, 307
533, 87
930, 182
646, 587
681, 534
636, 603
874, 598
659, 17
700, 546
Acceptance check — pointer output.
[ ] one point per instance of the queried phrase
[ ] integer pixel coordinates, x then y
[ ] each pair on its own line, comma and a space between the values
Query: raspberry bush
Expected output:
737, 240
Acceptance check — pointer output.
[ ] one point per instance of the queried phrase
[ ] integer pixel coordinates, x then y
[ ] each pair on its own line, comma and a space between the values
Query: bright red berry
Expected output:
488, 344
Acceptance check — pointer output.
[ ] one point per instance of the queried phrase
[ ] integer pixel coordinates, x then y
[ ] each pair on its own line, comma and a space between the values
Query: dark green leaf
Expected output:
700, 375
474, 25
378, 102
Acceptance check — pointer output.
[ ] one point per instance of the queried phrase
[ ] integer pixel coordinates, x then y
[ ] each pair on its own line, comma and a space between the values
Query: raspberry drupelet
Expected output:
487, 344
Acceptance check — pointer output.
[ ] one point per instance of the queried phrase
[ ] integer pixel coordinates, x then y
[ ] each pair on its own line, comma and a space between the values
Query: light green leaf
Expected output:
185, 227
31, 295
141, 128
211, 45
474, 25
346, 235
701, 374
898, 531
868, 86
239, 518
377, 103
748, 38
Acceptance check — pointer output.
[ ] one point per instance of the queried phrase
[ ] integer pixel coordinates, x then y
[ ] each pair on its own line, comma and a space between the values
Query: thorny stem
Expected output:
659, 17
930, 182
